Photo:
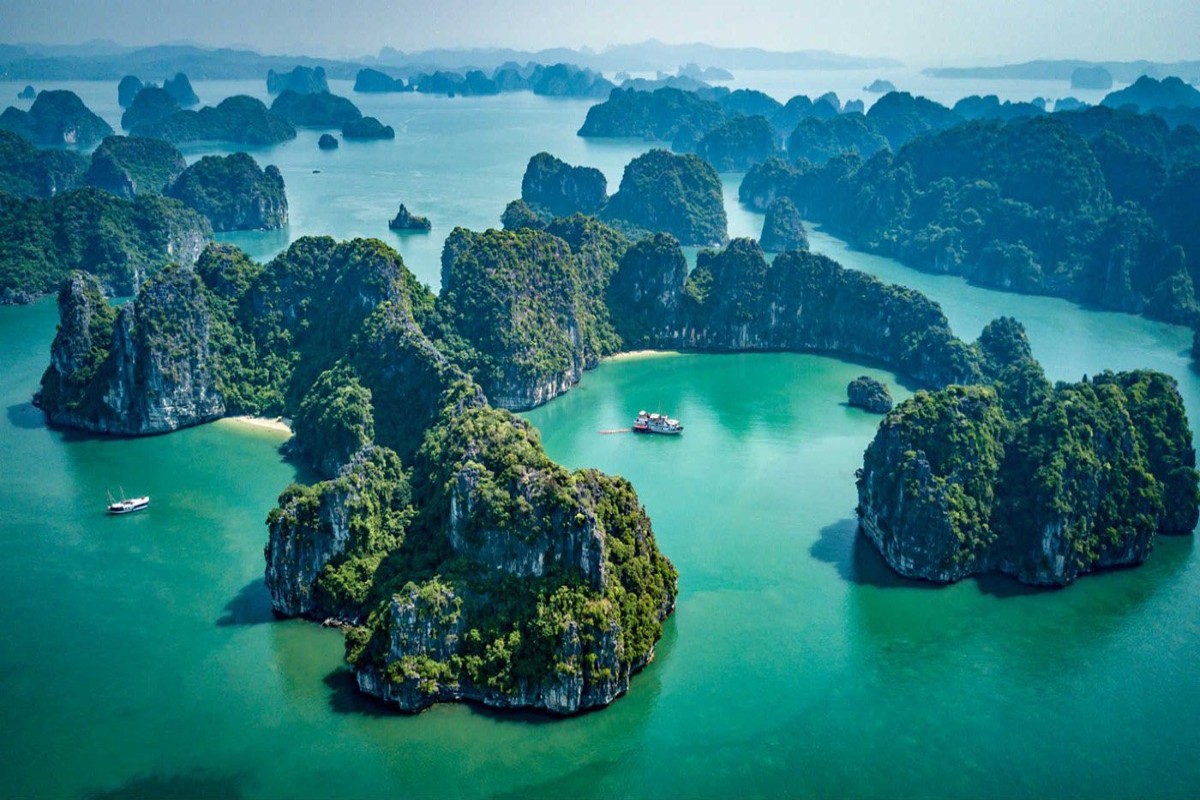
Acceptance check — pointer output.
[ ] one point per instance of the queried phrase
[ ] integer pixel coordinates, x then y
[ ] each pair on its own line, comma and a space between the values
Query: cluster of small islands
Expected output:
461, 562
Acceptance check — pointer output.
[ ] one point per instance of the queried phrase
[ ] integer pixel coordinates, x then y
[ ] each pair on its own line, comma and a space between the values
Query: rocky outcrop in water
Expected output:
404, 221
239, 119
576, 647
560, 190
157, 374
180, 88
803, 302
1147, 94
372, 80
660, 115
302, 80
879, 86
314, 525
56, 118
28, 93
1096, 77
128, 89
234, 193
327, 142
315, 109
869, 394
956, 484
367, 128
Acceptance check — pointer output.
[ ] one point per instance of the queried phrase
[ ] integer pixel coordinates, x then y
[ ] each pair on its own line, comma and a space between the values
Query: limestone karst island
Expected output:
577, 401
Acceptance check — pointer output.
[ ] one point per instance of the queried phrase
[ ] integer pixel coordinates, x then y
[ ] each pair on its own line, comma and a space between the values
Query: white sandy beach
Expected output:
276, 424
634, 355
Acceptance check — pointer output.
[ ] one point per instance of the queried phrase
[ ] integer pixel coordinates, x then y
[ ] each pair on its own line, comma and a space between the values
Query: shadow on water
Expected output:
998, 584
195, 784
251, 606
345, 697
567, 784
26, 416
856, 559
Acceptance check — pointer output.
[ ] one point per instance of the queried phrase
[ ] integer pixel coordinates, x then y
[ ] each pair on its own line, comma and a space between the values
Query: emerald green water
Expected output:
141, 656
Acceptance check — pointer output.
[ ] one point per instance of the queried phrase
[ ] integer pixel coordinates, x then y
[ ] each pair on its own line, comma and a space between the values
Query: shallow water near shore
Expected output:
142, 657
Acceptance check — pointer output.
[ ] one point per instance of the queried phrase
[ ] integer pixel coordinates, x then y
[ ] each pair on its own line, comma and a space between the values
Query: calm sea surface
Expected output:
141, 657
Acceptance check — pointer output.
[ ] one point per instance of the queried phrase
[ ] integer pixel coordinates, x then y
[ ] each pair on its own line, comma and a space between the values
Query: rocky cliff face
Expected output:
646, 295
568, 539
952, 487
867, 393
180, 88
313, 527
783, 229
530, 306
573, 648
305, 533
805, 302
406, 221
426, 624
157, 374
560, 189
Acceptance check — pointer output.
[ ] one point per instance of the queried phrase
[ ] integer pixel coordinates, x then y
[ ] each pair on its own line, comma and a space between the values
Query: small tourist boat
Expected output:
656, 423
127, 506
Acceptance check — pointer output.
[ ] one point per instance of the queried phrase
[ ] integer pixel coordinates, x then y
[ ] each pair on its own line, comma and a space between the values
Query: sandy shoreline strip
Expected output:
277, 424
634, 355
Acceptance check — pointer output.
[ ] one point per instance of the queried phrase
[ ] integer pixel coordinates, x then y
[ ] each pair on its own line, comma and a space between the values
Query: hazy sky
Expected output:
919, 32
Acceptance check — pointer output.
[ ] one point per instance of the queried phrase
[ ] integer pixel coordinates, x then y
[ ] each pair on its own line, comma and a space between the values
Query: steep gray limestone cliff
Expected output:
157, 374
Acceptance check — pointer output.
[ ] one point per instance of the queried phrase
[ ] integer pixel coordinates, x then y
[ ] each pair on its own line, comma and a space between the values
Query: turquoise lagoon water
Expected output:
141, 658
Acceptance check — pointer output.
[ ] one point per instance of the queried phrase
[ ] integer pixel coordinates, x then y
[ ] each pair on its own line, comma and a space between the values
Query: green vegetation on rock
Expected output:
541, 588
529, 303
180, 88
367, 128
149, 106
560, 190
56, 118
129, 165
302, 80
26, 171
782, 228
239, 119
680, 195
234, 192
660, 114
315, 109
738, 143
1044, 485
1088, 205
120, 241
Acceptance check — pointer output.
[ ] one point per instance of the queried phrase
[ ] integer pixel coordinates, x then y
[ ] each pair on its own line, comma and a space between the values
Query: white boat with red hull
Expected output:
656, 423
